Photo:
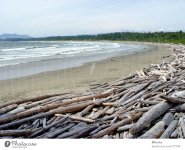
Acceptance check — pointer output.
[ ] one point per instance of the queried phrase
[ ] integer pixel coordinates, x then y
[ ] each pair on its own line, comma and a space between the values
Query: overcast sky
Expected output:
71, 17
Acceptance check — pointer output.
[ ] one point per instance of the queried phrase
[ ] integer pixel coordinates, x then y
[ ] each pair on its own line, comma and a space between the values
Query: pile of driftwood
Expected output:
148, 104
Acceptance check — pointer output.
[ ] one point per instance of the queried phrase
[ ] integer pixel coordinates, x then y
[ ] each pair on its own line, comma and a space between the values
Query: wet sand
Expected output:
79, 78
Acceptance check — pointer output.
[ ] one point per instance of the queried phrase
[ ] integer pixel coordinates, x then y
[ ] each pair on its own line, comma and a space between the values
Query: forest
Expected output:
162, 37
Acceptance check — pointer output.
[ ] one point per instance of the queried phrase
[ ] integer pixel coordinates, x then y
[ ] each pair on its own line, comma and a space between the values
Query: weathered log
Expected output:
72, 132
28, 100
100, 112
60, 131
85, 131
113, 127
44, 101
76, 107
95, 96
143, 109
124, 98
47, 108
149, 102
133, 98
13, 112
178, 94
168, 118
173, 99
150, 116
59, 110
109, 104
174, 134
180, 108
169, 130
51, 120
28, 113
99, 129
110, 111
182, 125
8, 108
86, 110
21, 121
157, 130
49, 126
125, 127
15, 133
77, 118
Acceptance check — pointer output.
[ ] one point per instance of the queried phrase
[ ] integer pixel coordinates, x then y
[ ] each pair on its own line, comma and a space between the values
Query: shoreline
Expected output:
79, 78
57, 62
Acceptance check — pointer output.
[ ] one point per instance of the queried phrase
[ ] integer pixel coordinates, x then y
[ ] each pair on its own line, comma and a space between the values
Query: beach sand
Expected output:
79, 78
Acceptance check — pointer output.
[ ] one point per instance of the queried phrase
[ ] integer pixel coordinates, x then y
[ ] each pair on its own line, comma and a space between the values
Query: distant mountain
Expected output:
13, 36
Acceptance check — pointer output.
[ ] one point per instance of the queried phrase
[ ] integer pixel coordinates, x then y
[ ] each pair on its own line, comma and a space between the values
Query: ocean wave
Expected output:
63, 49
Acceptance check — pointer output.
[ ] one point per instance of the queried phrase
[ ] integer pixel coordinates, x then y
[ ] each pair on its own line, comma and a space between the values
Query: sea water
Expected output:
22, 58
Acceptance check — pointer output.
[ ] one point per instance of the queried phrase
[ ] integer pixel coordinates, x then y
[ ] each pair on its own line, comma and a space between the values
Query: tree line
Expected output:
162, 37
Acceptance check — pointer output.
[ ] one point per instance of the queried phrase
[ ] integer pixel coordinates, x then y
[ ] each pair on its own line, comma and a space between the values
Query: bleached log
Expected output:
15, 133
100, 112
114, 126
86, 110
28, 100
49, 126
169, 130
8, 108
173, 100
125, 127
110, 111
76, 118
182, 125
150, 116
158, 128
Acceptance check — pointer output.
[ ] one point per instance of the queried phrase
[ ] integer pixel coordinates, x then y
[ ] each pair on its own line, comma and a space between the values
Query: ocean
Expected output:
23, 58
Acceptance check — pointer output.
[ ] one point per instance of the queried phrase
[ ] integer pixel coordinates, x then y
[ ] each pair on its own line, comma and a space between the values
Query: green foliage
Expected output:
162, 37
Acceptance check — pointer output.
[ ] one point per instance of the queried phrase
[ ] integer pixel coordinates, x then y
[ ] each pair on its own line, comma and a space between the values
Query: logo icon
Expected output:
7, 143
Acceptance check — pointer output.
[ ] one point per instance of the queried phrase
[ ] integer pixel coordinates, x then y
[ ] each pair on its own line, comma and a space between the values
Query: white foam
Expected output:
29, 53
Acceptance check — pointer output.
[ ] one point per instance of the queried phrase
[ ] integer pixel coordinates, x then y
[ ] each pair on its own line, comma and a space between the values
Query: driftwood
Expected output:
110, 111
85, 131
49, 126
147, 104
77, 118
159, 128
28, 100
155, 131
174, 134
73, 132
15, 133
182, 125
172, 99
100, 112
8, 108
126, 127
146, 120
86, 110
60, 131
117, 125
169, 130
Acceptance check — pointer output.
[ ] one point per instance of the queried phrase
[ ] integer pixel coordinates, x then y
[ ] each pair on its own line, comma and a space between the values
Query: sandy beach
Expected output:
79, 78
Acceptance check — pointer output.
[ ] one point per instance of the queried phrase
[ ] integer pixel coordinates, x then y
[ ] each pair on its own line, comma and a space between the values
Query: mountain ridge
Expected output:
8, 36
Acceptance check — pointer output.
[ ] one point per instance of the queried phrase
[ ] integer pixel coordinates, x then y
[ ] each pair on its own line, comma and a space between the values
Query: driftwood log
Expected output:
150, 116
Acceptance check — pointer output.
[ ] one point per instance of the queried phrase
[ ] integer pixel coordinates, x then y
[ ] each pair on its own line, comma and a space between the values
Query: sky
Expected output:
40, 18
